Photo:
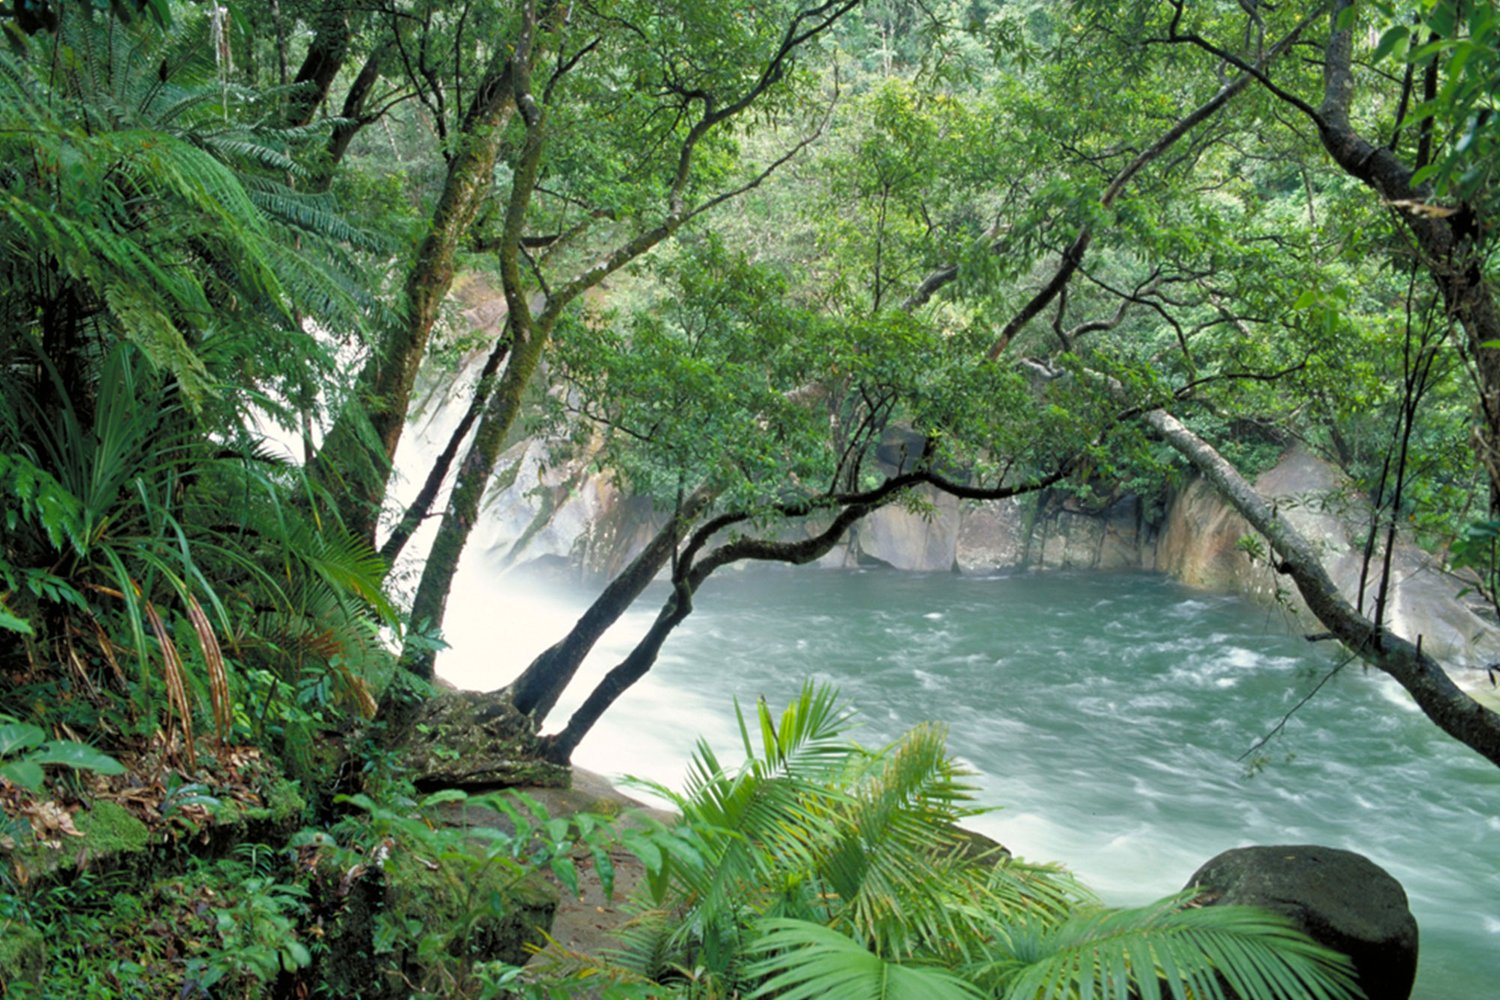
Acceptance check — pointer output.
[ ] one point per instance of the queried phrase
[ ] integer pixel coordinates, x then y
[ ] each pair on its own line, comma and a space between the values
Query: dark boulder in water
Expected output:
1338, 898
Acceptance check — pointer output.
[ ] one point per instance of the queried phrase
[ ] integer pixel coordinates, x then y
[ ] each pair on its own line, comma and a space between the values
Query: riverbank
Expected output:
1107, 717
586, 923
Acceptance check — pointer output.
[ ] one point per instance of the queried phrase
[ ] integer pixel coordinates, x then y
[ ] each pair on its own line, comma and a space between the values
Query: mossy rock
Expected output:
474, 740
281, 812
108, 828
23, 955
390, 927
113, 840
349, 911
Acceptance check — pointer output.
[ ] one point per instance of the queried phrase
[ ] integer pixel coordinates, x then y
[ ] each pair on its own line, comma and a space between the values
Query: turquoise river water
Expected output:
1104, 715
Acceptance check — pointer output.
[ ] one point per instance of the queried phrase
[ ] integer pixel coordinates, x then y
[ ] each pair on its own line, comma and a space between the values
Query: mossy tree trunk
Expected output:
362, 453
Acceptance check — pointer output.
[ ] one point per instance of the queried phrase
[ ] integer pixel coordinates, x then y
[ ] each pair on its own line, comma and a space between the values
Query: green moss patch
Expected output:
23, 955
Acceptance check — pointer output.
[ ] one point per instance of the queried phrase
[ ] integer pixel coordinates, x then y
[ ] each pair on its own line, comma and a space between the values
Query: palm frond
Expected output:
1163, 950
805, 961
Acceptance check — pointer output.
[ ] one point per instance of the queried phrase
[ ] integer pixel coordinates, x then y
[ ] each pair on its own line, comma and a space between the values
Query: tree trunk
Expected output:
1442, 701
352, 115
689, 577
559, 748
531, 331
385, 384
1448, 244
431, 600
536, 691
332, 32
421, 506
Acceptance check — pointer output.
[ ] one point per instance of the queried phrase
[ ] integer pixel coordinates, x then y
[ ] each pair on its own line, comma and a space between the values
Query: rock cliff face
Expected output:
563, 514
1200, 545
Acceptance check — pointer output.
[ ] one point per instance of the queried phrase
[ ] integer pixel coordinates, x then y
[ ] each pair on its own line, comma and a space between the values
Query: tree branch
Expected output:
1441, 700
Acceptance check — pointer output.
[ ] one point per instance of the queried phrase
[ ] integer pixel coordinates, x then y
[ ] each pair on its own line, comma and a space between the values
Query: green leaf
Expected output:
806, 961
26, 773
12, 623
19, 736
604, 867
440, 797
78, 755
296, 955
566, 872
1389, 41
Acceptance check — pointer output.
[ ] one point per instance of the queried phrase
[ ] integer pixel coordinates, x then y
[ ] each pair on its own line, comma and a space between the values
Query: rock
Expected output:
975, 846
23, 955
472, 739
1339, 898
1200, 546
385, 927
1071, 536
923, 540
480, 910
111, 841
991, 536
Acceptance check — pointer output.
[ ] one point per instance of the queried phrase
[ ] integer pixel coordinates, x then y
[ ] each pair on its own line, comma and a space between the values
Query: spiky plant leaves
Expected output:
800, 960
811, 727
1161, 950
818, 868
145, 216
895, 865
149, 194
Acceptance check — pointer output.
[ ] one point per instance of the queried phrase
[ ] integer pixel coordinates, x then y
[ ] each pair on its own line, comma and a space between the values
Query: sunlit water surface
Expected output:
1105, 715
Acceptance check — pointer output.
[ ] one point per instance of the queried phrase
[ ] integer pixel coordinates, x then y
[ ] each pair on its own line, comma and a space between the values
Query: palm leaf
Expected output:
804, 961
1162, 950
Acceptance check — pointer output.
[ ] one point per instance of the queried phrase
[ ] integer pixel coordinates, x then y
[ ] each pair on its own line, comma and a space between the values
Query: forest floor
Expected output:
585, 924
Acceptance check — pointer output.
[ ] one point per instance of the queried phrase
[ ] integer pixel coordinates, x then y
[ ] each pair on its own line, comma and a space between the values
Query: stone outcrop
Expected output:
1338, 898
1200, 544
922, 540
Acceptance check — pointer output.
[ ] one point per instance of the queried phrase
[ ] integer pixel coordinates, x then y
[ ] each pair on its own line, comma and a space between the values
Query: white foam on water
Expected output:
1396, 695
929, 682
933, 616
1242, 658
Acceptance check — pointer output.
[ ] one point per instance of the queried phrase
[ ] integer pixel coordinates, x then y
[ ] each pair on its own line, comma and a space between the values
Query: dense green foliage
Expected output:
770, 267
822, 868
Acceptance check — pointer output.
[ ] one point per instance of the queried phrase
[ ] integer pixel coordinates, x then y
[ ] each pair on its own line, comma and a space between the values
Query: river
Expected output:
1105, 716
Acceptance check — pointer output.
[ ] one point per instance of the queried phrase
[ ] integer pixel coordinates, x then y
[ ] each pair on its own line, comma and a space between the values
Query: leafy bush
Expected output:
820, 868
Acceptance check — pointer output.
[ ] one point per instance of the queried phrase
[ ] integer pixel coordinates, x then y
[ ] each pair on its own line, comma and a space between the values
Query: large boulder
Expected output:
1338, 898
922, 538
